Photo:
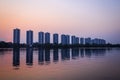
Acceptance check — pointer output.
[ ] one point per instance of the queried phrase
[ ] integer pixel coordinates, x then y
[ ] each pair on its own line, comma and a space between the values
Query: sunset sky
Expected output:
83, 18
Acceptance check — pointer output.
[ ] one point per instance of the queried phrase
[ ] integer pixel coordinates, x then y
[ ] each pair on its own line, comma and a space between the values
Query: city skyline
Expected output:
84, 18
47, 38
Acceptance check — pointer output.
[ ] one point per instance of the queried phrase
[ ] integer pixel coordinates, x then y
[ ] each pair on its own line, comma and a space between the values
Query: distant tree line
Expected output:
4, 44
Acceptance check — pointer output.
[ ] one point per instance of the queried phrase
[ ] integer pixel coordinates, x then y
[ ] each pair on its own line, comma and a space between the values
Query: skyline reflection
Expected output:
45, 55
65, 54
29, 56
16, 57
40, 56
55, 55
75, 53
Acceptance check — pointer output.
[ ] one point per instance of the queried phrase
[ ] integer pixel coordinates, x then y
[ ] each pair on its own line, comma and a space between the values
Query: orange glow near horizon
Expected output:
80, 18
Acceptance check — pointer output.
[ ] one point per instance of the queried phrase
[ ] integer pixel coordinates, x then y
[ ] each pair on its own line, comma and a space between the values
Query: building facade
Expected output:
47, 38
81, 41
29, 37
76, 40
88, 40
68, 39
98, 41
41, 37
73, 40
63, 39
16, 36
55, 38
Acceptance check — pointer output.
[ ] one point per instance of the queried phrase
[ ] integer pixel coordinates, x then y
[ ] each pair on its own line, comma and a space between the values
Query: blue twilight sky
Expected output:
83, 18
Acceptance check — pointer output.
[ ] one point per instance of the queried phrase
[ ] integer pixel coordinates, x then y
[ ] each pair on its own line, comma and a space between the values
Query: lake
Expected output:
60, 64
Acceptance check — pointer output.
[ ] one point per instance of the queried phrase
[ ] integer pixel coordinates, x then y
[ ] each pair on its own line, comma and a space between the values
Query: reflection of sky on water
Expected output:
60, 64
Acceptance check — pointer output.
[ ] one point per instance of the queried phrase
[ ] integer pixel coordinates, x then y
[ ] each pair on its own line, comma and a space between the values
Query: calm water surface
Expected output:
60, 64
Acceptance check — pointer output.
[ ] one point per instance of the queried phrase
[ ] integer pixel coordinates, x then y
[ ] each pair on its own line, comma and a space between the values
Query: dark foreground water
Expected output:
60, 64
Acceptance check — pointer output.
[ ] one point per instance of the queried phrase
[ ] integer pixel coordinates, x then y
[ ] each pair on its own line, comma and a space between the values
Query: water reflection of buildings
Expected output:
95, 52
98, 52
29, 56
75, 53
55, 55
41, 56
65, 54
88, 52
82, 52
47, 56
44, 55
16, 57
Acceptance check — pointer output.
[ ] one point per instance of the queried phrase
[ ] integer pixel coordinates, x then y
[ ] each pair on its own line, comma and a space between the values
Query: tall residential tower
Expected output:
29, 37
55, 38
47, 38
16, 36
41, 37
81, 40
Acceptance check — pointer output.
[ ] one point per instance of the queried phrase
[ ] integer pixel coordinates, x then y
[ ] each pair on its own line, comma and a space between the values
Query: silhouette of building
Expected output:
63, 39
44, 38
47, 38
82, 41
41, 37
73, 39
29, 39
98, 41
102, 41
55, 38
88, 40
95, 41
16, 36
68, 39
76, 40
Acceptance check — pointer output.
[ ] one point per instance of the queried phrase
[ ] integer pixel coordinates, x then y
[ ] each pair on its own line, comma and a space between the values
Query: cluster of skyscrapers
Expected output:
44, 38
